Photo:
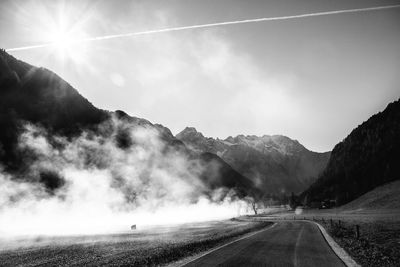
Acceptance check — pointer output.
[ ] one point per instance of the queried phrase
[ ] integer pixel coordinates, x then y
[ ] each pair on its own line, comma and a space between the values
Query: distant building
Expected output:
328, 203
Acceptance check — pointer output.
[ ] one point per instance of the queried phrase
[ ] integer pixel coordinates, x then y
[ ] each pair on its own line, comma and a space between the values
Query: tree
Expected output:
251, 201
254, 206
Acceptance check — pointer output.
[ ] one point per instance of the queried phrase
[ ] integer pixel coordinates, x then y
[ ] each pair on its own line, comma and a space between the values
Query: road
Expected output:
289, 243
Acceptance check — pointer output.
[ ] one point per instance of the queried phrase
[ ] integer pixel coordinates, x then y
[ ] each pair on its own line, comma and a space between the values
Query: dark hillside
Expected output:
38, 96
368, 157
219, 174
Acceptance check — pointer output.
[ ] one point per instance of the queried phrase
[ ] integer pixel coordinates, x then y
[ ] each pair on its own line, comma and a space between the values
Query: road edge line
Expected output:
227, 244
338, 250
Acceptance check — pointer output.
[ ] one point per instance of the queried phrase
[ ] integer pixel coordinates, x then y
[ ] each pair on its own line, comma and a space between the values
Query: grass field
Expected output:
383, 197
151, 247
377, 245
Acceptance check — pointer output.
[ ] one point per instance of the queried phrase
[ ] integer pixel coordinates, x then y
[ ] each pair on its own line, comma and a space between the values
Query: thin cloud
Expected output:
209, 25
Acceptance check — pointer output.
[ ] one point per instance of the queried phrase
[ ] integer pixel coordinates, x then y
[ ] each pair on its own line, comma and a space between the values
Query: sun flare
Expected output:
62, 41
59, 27
67, 46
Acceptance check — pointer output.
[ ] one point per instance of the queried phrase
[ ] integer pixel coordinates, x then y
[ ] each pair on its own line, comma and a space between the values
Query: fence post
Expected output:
357, 231
331, 223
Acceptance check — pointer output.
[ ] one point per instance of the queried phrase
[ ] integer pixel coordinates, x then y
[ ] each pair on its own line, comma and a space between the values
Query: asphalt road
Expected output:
289, 243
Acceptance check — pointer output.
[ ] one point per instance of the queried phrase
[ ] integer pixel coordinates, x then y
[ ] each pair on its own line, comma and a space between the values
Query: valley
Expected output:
293, 160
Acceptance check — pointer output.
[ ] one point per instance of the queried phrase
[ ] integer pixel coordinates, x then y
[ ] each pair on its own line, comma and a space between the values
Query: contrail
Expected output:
105, 37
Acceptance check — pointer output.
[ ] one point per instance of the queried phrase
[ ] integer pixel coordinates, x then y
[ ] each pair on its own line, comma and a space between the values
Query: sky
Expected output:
313, 79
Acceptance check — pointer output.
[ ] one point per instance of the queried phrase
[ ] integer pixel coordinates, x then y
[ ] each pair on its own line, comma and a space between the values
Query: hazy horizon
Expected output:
311, 79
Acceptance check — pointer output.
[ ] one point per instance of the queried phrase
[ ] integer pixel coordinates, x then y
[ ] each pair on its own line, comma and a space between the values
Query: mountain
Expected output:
226, 176
276, 164
368, 157
38, 96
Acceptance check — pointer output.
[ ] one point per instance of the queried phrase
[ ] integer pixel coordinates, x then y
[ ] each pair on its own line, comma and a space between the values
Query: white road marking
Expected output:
234, 241
297, 245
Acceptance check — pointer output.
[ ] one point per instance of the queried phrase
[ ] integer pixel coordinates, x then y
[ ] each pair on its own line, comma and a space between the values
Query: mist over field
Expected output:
105, 182
199, 133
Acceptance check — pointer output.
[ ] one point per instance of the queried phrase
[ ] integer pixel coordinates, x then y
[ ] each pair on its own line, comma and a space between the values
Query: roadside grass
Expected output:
377, 245
138, 249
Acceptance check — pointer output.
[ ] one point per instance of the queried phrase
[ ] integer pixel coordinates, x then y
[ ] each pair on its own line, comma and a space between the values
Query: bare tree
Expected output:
253, 203
254, 206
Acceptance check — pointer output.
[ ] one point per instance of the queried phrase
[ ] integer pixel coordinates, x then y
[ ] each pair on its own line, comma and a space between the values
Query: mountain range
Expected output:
276, 164
268, 164
38, 96
249, 165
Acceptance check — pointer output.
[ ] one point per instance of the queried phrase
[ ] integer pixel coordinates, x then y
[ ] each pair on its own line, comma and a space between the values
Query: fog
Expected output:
104, 181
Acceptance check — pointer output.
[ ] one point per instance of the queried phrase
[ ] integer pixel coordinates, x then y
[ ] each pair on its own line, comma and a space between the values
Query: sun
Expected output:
62, 30
67, 44
62, 41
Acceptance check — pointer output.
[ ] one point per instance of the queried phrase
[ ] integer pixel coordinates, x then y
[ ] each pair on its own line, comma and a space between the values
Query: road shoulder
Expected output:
339, 251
